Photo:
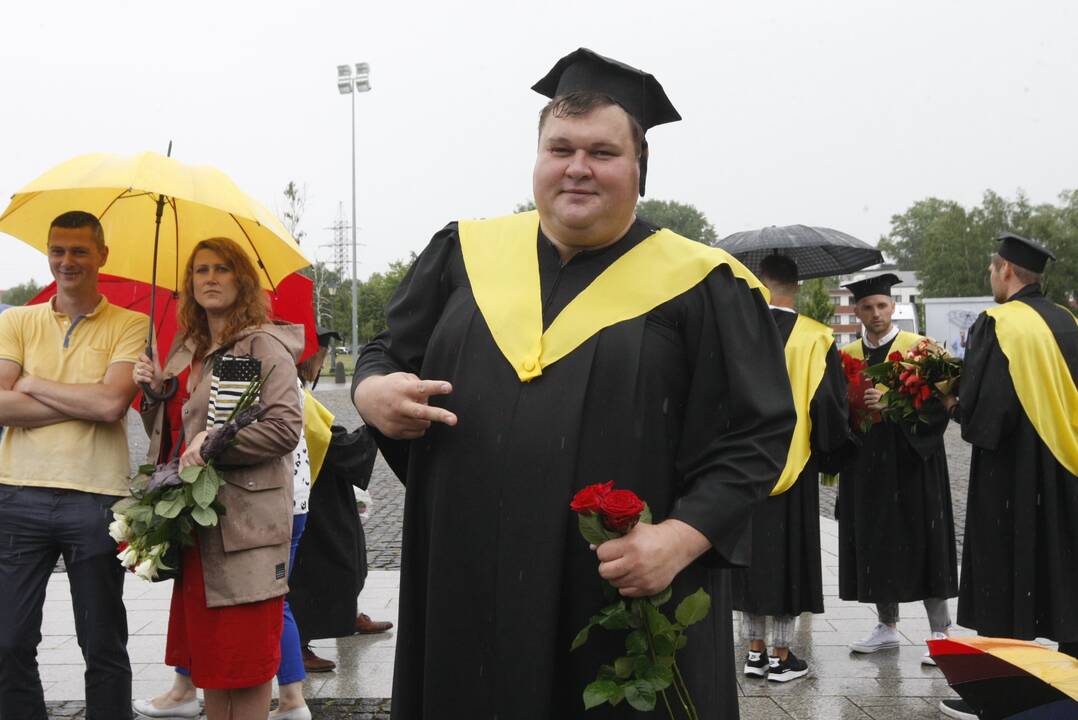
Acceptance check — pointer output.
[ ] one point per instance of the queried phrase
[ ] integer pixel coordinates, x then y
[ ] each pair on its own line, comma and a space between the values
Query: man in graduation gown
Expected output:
896, 525
1019, 409
527, 357
785, 578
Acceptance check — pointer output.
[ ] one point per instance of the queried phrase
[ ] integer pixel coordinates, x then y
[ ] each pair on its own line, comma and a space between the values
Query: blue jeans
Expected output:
291, 668
38, 525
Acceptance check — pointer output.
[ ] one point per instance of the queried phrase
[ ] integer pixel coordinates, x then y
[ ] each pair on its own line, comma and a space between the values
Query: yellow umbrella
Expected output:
199, 202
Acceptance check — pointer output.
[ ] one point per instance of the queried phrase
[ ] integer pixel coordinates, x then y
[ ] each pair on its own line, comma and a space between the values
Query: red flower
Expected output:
896, 356
589, 499
621, 510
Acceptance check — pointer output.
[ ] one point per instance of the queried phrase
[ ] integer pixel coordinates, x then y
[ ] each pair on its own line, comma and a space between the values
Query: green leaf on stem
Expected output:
662, 598
606, 672
139, 513
581, 637
204, 516
191, 473
645, 515
694, 608
640, 695
591, 527
659, 676
664, 648
682, 641
204, 490
623, 666
636, 643
657, 622
169, 506
146, 470
615, 617
599, 692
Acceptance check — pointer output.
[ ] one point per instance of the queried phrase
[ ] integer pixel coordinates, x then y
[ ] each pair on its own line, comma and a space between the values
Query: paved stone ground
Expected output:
888, 685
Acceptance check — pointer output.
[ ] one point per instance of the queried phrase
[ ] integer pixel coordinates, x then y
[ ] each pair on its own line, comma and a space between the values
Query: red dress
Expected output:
225, 648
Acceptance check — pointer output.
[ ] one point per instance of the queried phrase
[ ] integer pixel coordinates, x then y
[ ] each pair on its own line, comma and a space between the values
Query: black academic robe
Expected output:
688, 405
895, 520
331, 560
785, 577
1020, 556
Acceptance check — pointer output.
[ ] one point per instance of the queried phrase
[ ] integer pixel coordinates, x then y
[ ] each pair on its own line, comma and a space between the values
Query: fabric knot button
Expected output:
529, 365
250, 483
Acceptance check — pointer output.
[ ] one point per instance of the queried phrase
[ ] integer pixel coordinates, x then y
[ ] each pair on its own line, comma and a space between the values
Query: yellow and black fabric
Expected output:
1017, 409
679, 395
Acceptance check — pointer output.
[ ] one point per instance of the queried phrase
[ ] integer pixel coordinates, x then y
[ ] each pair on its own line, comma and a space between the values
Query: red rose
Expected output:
621, 510
896, 356
590, 498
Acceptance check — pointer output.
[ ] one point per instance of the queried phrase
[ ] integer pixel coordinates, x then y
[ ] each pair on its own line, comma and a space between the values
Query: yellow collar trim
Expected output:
903, 343
502, 262
806, 360
1041, 378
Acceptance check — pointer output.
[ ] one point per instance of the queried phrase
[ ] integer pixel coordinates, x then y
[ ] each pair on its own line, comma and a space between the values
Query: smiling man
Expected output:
65, 384
896, 524
529, 356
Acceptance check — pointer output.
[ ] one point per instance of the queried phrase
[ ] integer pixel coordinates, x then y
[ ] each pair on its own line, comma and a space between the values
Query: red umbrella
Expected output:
293, 302
1004, 678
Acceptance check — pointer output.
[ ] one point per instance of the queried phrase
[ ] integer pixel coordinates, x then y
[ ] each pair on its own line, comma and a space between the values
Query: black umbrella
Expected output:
818, 251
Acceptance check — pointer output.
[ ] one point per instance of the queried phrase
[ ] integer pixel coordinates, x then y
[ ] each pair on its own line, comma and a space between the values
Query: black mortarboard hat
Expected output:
636, 91
1024, 253
879, 285
324, 334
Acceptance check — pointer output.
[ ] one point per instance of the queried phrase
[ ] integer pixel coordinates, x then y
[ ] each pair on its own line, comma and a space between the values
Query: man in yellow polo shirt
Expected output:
65, 384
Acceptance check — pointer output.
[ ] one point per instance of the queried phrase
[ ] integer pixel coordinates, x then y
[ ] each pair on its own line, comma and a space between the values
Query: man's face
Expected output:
586, 176
75, 259
875, 313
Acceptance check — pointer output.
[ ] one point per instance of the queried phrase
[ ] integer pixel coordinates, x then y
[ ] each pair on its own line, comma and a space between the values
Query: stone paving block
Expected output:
806, 708
755, 708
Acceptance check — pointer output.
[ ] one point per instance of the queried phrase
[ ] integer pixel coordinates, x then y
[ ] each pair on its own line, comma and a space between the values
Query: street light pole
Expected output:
349, 84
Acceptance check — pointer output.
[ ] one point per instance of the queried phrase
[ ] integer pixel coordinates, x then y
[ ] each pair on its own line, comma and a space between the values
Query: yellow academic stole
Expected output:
903, 343
317, 424
502, 262
806, 360
1041, 378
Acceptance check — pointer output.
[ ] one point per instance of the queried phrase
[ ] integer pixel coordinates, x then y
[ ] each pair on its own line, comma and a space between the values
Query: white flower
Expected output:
128, 557
158, 550
146, 569
119, 528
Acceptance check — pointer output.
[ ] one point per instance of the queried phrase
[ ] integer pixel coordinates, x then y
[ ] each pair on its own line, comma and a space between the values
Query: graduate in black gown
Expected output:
529, 356
896, 524
1018, 409
785, 578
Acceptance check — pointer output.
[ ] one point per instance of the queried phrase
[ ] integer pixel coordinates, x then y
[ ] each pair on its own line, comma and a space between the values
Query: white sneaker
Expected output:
881, 638
183, 711
927, 658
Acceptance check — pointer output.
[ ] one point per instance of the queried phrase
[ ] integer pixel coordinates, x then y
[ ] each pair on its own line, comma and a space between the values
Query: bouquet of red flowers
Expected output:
648, 668
861, 418
913, 378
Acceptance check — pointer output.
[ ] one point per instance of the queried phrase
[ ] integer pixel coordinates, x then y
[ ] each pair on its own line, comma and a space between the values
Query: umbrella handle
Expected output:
167, 390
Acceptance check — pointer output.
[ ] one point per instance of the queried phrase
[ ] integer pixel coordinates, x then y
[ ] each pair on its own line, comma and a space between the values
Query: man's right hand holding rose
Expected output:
398, 404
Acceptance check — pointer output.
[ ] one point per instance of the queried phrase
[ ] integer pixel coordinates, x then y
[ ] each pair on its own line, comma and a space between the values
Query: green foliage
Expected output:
949, 245
21, 293
374, 295
814, 299
682, 218
524, 206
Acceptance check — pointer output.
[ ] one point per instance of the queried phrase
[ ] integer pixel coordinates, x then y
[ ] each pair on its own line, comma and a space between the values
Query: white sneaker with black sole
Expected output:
786, 670
957, 708
756, 664
882, 637
927, 658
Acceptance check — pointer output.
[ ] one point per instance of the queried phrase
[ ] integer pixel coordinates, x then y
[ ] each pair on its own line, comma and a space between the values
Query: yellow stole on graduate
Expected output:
806, 360
502, 262
1041, 378
903, 343
317, 421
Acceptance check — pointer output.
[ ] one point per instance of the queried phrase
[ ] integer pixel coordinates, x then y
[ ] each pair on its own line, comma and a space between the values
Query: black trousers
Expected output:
38, 525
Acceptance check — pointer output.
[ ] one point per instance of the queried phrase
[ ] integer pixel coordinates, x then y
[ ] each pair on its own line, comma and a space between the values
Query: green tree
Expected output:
682, 218
524, 206
374, 295
21, 293
814, 299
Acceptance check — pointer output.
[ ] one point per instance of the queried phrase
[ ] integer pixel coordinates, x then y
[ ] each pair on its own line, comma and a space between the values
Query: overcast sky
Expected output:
833, 112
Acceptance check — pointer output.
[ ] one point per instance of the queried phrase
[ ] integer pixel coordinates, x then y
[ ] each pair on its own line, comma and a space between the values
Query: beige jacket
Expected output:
245, 558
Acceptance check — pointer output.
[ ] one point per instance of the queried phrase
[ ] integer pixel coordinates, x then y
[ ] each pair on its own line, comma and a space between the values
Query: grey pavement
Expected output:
888, 685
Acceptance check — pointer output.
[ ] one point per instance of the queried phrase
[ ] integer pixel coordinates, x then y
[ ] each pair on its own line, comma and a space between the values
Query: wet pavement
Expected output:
888, 685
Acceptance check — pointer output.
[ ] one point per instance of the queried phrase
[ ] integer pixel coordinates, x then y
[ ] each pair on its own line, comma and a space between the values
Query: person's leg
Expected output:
27, 557
939, 616
782, 633
239, 704
180, 695
97, 585
755, 628
887, 613
290, 673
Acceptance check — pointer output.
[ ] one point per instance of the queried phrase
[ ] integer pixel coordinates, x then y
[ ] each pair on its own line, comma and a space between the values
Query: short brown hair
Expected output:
75, 219
582, 102
250, 309
1024, 275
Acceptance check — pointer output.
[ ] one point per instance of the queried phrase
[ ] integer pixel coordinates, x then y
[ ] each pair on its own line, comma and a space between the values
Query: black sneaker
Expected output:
786, 670
756, 664
957, 708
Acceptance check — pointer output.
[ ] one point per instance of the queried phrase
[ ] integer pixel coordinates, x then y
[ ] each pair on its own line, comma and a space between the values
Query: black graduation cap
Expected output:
324, 334
879, 285
1023, 252
636, 91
